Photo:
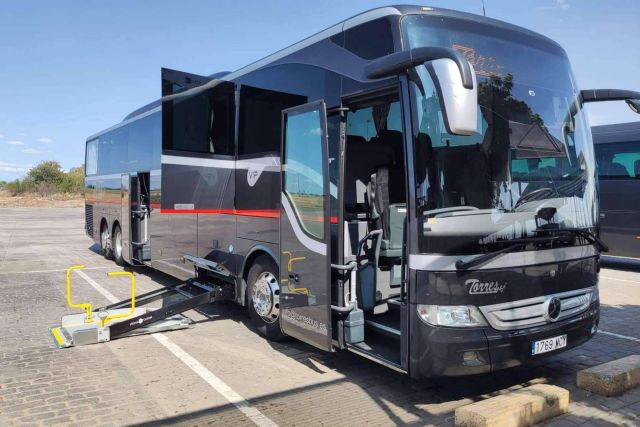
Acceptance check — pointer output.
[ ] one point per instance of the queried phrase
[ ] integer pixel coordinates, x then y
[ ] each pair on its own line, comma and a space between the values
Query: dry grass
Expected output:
29, 200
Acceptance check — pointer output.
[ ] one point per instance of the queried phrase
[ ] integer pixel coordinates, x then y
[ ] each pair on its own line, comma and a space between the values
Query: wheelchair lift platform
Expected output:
127, 317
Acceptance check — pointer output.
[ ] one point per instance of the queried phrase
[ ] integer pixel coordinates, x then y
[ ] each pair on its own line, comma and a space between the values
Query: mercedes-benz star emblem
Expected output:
552, 308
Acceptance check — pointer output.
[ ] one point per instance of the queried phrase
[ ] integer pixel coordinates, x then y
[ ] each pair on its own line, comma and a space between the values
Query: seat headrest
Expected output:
355, 140
617, 169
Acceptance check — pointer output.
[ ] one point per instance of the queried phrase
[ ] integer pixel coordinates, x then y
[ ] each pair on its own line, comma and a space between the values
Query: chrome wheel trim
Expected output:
104, 238
265, 297
118, 244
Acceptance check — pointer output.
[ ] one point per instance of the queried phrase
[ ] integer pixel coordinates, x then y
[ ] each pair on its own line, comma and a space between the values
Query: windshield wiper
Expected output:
516, 243
584, 233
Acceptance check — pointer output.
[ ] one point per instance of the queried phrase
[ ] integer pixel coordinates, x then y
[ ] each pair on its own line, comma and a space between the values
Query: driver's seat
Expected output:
385, 194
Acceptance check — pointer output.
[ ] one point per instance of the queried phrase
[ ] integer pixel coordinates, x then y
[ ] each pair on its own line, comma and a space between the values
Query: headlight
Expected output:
595, 295
459, 316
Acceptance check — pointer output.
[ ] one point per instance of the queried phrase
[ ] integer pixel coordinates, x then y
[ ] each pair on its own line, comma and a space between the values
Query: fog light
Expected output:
472, 358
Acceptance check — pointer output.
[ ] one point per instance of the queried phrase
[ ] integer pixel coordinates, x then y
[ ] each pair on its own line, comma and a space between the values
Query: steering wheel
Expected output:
531, 195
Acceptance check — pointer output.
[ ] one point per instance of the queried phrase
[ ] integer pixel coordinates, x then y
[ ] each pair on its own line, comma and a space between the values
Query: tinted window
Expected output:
261, 118
370, 40
303, 177
91, 161
112, 152
618, 160
144, 144
200, 123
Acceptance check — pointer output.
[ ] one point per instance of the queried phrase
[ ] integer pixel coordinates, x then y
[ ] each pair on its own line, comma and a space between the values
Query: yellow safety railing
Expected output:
133, 297
292, 288
86, 306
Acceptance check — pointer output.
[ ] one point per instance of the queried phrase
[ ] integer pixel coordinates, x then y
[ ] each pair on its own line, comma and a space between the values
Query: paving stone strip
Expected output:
523, 407
611, 378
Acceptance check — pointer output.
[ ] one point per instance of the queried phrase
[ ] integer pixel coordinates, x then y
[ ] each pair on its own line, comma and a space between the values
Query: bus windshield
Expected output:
529, 166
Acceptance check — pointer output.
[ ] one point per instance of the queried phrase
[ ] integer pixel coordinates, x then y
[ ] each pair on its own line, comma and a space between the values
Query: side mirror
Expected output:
600, 95
634, 104
452, 74
459, 104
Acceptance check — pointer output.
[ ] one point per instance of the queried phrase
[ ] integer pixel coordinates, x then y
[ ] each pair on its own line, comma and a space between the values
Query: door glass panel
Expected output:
303, 180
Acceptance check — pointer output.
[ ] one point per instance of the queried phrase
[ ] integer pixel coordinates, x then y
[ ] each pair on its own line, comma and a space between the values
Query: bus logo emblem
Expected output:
476, 287
253, 174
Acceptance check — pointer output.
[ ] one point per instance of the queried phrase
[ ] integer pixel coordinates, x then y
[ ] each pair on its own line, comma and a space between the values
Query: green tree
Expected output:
72, 181
48, 172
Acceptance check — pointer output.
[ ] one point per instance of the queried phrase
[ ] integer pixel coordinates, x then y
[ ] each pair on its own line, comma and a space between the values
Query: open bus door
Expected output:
305, 297
197, 162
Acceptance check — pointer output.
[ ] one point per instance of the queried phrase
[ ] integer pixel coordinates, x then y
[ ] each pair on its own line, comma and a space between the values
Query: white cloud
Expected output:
1, 136
13, 168
32, 151
562, 4
46, 140
15, 142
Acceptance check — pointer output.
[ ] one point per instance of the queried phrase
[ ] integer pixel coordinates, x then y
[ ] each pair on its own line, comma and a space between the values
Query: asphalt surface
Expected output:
220, 372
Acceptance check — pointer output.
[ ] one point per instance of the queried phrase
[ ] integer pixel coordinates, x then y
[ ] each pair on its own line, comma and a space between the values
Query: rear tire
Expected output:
263, 293
104, 241
116, 244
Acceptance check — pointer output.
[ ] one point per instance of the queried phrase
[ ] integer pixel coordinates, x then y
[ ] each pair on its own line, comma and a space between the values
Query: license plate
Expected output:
549, 344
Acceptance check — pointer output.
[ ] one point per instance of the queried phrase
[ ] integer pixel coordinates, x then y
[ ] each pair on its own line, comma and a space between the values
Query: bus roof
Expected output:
618, 132
370, 15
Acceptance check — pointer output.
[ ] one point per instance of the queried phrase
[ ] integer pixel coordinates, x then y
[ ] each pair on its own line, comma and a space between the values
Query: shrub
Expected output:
47, 178
47, 171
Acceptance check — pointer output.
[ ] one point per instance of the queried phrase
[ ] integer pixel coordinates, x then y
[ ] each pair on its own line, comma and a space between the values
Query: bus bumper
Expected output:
449, 352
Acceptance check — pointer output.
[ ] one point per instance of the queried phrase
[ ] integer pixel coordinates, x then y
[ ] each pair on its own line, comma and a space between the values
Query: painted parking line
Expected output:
257, 417
620, 280
56, 270
625, 337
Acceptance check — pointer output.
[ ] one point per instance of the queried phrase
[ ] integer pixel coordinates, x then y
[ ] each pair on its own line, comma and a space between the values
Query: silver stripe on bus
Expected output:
516, 259
110, 176
197, 161
307, 242
271, 163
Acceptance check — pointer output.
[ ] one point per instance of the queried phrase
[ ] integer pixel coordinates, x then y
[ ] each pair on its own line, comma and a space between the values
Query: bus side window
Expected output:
618, 160
202, 123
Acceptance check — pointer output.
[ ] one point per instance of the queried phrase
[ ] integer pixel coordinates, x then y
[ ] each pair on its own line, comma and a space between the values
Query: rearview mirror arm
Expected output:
398, 62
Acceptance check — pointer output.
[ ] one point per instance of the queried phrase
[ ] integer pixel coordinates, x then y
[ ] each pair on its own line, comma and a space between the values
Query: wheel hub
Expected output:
266, 297
118, 245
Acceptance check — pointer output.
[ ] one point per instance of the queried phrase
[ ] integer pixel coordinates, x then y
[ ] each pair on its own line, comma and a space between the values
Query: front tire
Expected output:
263, 298
116, 244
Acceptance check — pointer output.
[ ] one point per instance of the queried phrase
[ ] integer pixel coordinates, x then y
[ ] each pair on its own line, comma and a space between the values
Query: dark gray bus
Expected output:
617, 148
414, 185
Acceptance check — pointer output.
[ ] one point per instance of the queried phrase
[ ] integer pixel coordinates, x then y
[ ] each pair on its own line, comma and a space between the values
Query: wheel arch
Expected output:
255, 252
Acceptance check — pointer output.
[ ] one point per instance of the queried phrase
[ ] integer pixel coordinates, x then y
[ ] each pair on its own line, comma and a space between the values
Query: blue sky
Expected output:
70, 69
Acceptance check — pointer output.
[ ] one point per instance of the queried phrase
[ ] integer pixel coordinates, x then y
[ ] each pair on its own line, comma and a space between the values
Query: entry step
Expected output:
524, 407
611, 378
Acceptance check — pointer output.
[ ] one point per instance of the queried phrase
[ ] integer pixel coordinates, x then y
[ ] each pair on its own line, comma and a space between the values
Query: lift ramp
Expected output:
130, 317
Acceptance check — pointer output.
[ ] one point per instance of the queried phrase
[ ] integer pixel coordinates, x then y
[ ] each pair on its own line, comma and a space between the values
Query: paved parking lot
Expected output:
221, 372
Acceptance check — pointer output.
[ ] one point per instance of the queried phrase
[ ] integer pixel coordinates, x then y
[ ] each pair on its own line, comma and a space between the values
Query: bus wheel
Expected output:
116, 244
104, 242
263, 293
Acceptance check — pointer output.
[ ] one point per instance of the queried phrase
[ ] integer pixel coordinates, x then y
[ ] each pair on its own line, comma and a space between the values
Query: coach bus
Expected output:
415, 185
617, 149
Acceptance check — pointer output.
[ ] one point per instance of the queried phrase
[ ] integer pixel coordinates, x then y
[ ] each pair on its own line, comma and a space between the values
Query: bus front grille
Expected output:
530, 312
88, 219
